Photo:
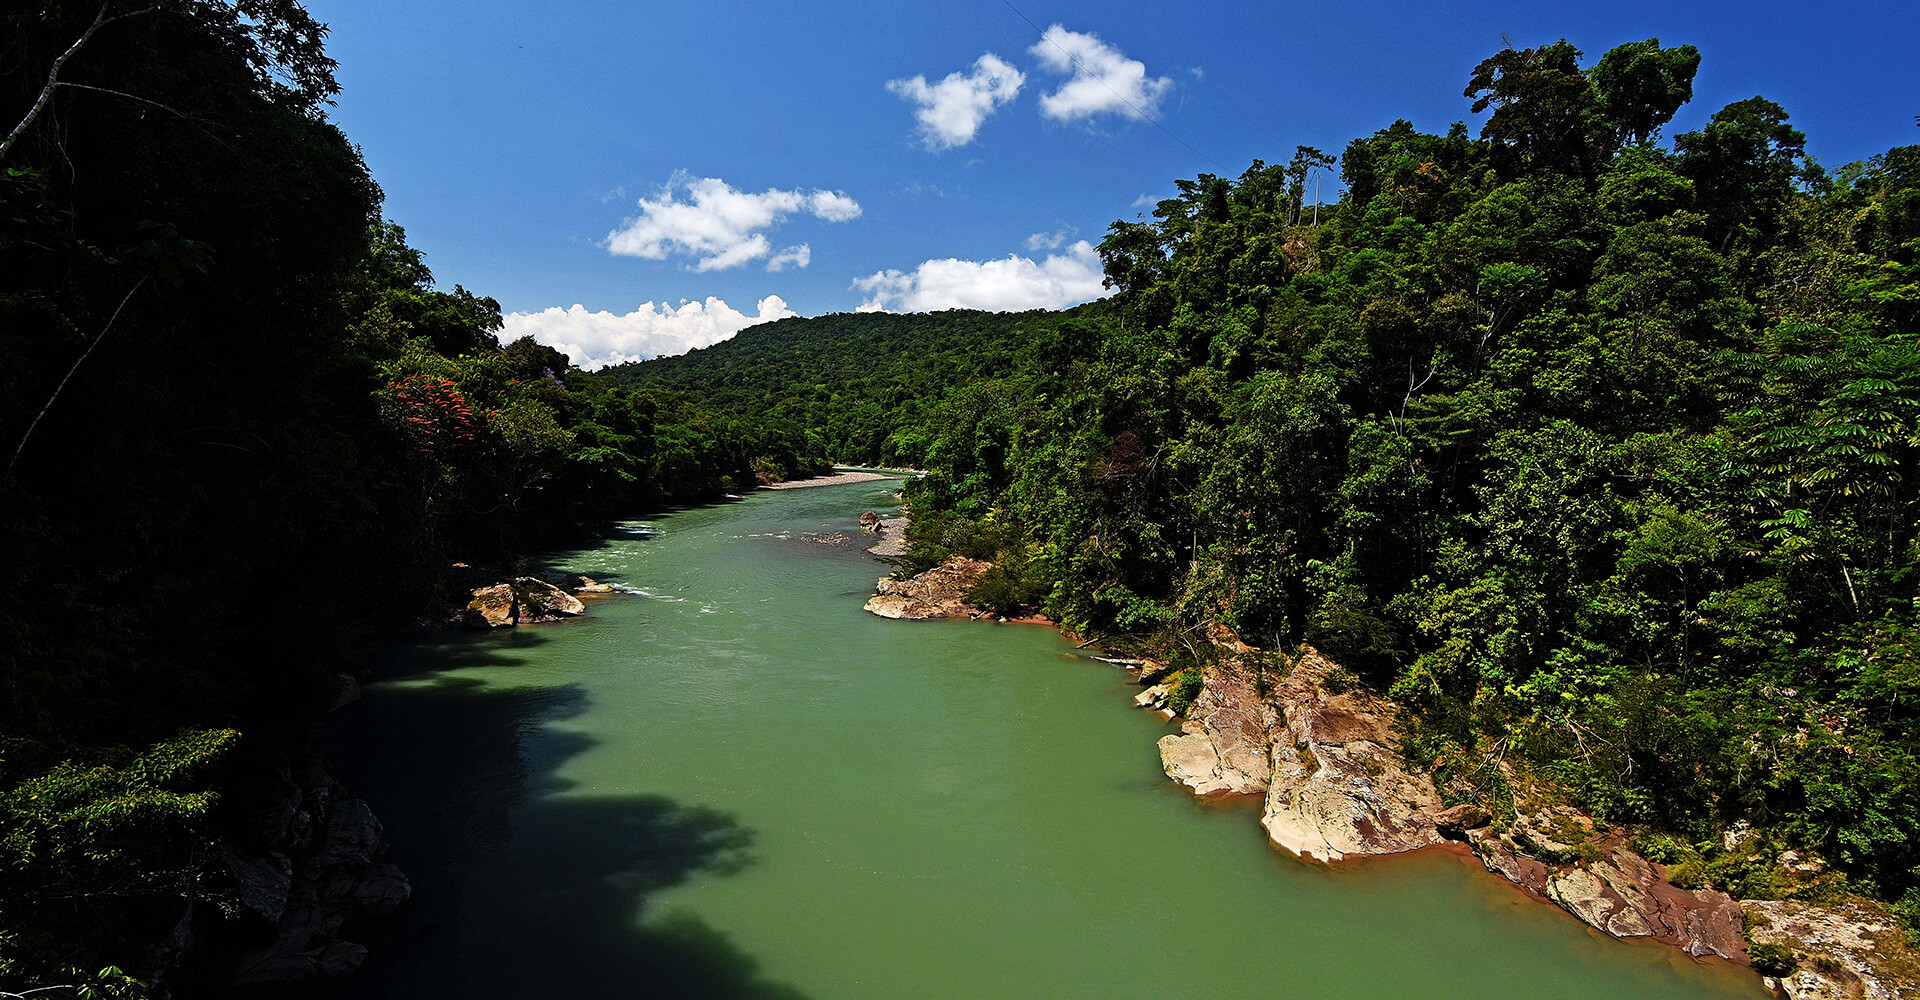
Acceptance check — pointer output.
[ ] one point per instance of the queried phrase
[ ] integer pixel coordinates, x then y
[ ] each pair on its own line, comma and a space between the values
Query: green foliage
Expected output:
1907, 908
1772, 959
1183, 688
221, 425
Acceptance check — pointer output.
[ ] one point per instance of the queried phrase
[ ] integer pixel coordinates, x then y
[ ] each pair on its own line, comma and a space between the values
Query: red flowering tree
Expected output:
432, 414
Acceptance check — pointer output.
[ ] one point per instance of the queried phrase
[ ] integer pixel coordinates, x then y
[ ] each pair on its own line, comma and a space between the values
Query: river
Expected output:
736, 784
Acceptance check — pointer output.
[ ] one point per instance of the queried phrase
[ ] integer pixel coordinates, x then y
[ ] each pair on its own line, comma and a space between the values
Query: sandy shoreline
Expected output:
840, 479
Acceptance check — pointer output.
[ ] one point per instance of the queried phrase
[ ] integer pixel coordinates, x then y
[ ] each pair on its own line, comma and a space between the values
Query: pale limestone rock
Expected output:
1845, 951
1339, 788
1228, 744
1602, 897
940, 592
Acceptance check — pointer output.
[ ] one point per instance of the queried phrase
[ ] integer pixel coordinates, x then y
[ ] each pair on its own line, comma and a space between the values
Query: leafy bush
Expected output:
1183, 689
1340, 680
1908, 910
1772, 959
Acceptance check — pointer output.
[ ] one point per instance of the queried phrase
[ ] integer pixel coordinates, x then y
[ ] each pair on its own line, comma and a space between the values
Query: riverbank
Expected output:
630, 803
1322, 753
837, 479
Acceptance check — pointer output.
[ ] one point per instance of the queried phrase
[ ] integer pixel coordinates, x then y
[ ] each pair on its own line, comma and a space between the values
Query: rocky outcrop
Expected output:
1339, 788
1454, 823
315, 860
1226, 745
526, 601
491, 607
940, 592
1527, 872
1850, 950
1626, 895
1324, 752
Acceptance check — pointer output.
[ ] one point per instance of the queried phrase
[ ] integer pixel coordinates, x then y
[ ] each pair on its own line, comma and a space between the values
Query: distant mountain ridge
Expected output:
858, 382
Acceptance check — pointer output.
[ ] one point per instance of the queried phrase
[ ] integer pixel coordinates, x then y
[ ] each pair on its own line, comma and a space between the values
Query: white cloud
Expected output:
597, 339
1052, 240
1008, 284
717, 223
950, 112
833, 206
796, 256
1103, 80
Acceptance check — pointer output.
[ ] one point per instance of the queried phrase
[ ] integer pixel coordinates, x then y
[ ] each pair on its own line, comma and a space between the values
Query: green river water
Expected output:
736, 784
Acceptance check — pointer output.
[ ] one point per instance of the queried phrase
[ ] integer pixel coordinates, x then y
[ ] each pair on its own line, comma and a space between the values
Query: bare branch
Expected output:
22, 446
100, 20
122, 93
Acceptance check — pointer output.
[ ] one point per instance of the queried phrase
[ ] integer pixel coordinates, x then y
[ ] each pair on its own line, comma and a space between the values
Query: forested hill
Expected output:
859, 385
1596, 448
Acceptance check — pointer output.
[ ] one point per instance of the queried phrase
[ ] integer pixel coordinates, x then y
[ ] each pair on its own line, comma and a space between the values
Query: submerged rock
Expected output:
578, 584
940, 592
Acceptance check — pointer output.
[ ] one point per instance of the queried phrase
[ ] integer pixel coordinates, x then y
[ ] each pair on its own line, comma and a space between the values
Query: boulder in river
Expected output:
525, 601
491, 607
536, 601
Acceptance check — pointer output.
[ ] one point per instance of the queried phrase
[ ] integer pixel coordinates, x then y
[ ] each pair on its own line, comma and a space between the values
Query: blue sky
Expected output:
681, 156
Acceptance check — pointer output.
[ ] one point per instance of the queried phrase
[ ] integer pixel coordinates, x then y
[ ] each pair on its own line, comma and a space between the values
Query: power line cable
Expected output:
1077, 64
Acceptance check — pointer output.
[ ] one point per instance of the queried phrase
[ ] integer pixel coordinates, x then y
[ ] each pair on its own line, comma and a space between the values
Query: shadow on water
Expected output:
523, 885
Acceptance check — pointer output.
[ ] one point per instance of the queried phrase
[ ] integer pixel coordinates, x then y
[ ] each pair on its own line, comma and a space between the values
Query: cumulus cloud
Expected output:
1052, 240
596, 339
1005, 285
1102, 79
718, 224
950, 112
799, 256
